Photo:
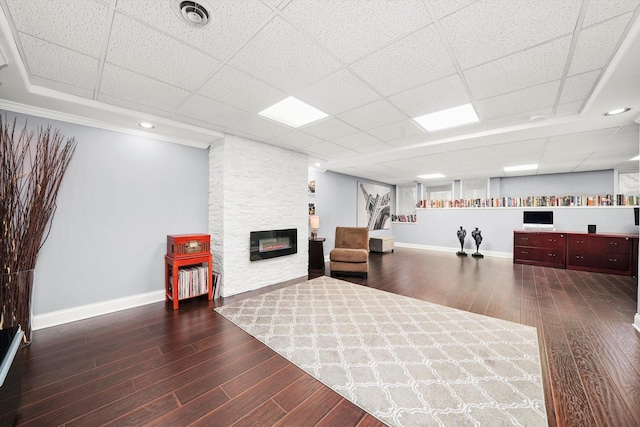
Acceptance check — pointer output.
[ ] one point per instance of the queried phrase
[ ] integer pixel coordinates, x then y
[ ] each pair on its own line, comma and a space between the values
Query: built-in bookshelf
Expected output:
533, 201
404, 218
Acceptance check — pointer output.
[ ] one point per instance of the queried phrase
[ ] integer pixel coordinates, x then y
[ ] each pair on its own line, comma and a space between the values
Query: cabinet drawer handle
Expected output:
524, 253
613, 260
552, 254
614, 243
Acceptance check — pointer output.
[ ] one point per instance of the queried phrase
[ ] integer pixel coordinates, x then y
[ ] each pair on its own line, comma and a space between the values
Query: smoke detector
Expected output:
193, 13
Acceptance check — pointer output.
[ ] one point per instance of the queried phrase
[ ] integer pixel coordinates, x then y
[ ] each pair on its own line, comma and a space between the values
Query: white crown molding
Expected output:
100, 124
55, 318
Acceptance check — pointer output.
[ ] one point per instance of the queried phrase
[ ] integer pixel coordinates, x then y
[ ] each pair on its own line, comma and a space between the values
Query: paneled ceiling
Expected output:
539, 73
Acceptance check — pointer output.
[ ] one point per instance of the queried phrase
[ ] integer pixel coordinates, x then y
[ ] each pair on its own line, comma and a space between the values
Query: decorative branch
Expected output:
30, 176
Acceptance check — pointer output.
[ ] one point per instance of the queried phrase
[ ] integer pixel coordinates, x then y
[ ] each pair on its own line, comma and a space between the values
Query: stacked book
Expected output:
193, 281
534, 201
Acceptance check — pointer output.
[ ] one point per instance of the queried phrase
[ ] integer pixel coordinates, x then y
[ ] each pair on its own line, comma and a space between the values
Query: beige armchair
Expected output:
351, 252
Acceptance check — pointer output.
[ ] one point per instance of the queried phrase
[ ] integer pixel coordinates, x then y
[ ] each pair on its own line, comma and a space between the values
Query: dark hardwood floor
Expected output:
154, 366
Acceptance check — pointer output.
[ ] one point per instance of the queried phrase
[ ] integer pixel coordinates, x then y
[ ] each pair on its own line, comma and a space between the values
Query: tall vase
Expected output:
16, 291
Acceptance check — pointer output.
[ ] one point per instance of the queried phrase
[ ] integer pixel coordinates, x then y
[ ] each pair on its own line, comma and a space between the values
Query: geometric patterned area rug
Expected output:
406, 362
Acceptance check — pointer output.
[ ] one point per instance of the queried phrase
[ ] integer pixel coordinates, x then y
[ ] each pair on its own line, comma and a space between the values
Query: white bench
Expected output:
381, 244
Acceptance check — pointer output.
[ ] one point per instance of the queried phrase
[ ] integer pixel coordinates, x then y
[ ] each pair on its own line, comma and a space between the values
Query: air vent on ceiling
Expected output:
195, 14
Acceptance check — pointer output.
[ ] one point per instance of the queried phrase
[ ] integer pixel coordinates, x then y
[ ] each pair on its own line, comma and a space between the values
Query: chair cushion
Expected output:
349, 255
352, 237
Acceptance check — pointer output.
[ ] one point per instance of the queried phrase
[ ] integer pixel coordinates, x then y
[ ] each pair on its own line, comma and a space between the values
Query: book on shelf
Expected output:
534, 201
216, 284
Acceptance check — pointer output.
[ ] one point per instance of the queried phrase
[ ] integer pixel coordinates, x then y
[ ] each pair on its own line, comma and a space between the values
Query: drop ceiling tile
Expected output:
324, 148
212, 111
240, 90
139, 48
290, 64
519, 118
260, 129
417, 139
200, 123
445, 7
399, 130
133, 106
296, 139
439, 95
337, 93
129, 86
59, 64
356, 140
578, 87
52, 21
433, 161
481, 157
530, 67
531, 147
487, 29
594, 165
558, 168
407, 166
367, 149
533, 98
329, 128
345, 154
570, 108
596, 45
592, 138
372, 115
600, 10
234, 24
412, 61
351, 29
62, 87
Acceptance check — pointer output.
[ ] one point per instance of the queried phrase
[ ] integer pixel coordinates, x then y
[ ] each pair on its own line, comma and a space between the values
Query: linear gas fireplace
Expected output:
273, 243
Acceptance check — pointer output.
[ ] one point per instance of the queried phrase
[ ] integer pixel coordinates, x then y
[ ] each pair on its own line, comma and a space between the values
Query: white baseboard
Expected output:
452, 250
636, 322
60, 317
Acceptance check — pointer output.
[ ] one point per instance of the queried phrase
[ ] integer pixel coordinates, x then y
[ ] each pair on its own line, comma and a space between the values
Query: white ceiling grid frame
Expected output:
398, 130
596, 44
140, 89
353, 93
412, 61
291, 64
238, 89
530, 67
59, 63
528, 99
212, 111
353, 29
86, 18
235, 23
578, 87
356, 141
136, 105
61, 87
488, 30
372, 115
435, 96
142, 49
329, 128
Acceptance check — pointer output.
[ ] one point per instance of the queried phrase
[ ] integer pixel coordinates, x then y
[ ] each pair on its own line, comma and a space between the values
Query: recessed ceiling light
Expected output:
317, 165
449, 118
617, 111
293, 112
431, 176
634, 159
146, 125
520, 168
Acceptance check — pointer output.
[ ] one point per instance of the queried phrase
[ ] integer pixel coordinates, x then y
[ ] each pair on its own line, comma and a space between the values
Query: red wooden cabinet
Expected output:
188, 268
601, 253
539, 248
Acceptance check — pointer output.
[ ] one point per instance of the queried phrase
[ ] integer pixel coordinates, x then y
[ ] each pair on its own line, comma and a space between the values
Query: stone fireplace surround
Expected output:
255, 186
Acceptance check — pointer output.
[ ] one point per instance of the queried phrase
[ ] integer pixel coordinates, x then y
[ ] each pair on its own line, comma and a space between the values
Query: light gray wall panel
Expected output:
336, 202
121, 196
575, 184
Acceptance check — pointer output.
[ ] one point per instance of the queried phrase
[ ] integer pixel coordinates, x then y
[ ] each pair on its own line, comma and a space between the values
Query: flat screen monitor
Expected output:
636, 212
538, 217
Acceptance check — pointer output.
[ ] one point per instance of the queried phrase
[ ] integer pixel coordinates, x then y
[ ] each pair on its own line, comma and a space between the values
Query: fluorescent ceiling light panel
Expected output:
635, 158
293, 112
449, 118
520, 168
431, 176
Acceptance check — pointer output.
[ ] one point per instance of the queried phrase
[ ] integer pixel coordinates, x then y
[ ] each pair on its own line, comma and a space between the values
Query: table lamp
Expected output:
314, 221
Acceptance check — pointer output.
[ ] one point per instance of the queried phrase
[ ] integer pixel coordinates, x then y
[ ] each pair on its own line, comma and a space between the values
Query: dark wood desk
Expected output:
316, 255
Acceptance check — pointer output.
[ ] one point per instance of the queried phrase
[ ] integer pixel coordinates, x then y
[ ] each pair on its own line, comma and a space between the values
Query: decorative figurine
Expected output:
478, 238
462, 233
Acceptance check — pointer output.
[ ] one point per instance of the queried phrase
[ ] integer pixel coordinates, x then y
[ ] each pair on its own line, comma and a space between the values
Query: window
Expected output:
474, 189
406, 199
628, 183
437, 192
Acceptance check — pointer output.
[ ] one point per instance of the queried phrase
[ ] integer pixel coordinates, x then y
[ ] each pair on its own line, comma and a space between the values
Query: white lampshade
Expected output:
314, 221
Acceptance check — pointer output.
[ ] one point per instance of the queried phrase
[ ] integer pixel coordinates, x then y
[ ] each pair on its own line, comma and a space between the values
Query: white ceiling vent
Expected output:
195, 14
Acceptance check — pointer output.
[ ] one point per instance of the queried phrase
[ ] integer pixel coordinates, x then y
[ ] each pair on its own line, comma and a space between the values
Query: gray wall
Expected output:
120, 198
336, 202
438, 227
577, 183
